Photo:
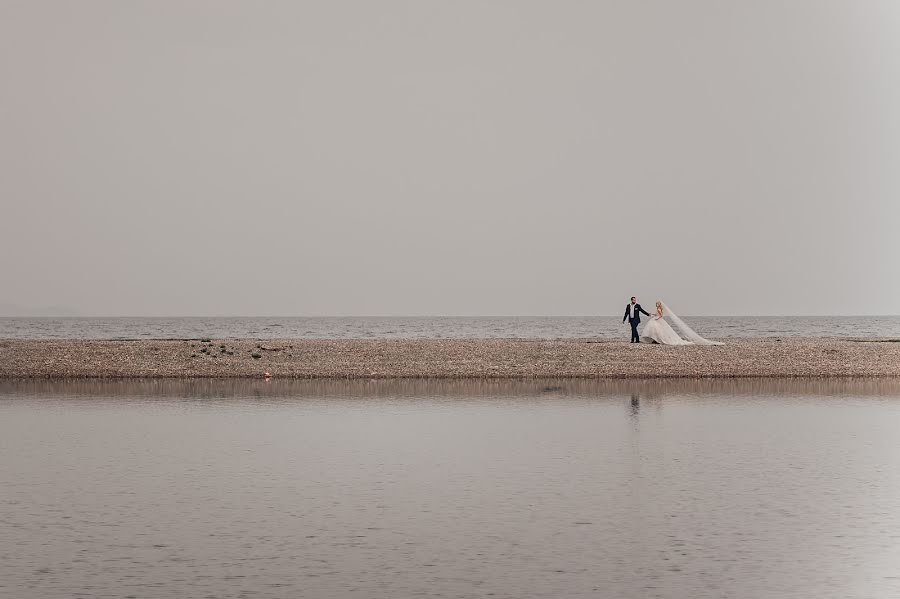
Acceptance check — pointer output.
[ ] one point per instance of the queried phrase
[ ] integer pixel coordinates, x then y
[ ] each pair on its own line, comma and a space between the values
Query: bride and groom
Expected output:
658, 329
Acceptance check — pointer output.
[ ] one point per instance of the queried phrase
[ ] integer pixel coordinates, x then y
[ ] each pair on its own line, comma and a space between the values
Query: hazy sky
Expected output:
454, 157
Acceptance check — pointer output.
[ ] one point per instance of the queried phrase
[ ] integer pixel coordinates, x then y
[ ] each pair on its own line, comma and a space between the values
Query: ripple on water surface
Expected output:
738, 488
432, 327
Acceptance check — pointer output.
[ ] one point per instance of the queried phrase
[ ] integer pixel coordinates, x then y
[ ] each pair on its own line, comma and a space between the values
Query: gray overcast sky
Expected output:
454, 157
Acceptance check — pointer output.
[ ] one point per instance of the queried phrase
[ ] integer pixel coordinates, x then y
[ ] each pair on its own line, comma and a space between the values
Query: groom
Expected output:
633, 315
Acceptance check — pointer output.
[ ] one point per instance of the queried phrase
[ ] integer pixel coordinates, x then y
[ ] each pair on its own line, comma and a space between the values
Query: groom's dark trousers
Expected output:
634, 322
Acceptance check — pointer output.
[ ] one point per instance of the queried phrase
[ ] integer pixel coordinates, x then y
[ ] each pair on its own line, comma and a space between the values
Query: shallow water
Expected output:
738, 488
432, 327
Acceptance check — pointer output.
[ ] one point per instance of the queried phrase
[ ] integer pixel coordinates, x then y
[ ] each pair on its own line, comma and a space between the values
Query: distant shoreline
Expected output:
448, 358
463, 328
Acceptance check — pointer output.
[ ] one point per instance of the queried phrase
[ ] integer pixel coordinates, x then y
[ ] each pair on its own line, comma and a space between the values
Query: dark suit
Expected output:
635, 338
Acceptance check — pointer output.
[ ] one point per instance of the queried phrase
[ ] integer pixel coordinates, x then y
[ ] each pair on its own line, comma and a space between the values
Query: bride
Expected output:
658, 330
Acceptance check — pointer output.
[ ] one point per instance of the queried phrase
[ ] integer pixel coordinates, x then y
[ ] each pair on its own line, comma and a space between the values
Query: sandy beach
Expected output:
470, 358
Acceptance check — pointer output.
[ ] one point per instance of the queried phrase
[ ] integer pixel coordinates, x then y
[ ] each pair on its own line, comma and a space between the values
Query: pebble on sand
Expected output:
451, 358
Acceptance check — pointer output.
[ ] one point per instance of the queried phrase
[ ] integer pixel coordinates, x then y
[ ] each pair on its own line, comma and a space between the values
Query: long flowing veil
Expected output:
686, 331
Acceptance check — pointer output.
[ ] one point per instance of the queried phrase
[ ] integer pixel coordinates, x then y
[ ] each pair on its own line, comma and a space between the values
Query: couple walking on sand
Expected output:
658, 330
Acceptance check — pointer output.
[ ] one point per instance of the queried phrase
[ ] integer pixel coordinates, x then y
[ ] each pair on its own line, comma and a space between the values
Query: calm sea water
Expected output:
431, 327
380, 489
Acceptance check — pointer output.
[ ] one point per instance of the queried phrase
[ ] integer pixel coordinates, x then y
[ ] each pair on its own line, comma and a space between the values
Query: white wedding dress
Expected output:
658, 330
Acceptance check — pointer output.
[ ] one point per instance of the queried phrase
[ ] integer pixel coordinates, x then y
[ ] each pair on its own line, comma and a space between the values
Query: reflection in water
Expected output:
450, 388
743, 488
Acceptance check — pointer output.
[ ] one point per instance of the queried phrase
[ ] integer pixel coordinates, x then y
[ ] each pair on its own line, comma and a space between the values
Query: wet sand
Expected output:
469, 358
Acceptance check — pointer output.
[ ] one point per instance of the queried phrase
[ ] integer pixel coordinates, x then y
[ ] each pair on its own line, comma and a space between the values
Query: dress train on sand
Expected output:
658, 330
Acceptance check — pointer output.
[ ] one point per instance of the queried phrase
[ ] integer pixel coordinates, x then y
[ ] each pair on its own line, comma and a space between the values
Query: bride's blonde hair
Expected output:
659, 304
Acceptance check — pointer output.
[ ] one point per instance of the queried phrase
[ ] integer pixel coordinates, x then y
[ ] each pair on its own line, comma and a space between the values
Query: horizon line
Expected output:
60, 316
